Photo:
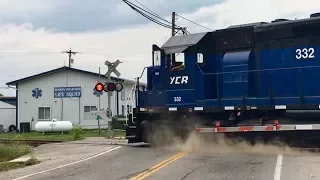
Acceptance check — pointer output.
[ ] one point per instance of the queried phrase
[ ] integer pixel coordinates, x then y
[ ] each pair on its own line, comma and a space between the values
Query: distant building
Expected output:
39, 97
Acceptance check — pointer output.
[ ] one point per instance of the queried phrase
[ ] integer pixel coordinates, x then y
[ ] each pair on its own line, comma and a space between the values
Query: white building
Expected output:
39, 97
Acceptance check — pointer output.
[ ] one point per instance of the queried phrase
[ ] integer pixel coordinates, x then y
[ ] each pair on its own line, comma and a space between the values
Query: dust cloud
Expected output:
214, 143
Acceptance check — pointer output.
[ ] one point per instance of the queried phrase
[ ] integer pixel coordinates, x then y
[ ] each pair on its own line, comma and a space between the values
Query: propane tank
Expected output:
53, 126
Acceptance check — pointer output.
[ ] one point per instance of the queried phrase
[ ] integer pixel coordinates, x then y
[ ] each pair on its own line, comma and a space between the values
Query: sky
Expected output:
33, 33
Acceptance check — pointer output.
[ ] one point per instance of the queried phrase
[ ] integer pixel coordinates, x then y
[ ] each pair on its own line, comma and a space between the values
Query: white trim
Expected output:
304, 127
198, 108
280, 107
142, 109
229, 108
173, 108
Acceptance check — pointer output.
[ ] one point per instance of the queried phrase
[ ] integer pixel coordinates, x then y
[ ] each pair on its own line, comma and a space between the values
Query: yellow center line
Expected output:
155, 168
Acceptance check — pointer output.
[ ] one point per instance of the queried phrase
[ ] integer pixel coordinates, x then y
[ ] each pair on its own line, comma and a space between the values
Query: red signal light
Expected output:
99, 87
111, 86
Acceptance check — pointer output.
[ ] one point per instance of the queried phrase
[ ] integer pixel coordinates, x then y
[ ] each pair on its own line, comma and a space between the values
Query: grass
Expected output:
59, 136
12, 151
5, 166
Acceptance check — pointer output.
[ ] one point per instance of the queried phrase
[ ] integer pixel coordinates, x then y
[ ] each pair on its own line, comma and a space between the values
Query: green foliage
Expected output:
118, 123
1, 94
77, 133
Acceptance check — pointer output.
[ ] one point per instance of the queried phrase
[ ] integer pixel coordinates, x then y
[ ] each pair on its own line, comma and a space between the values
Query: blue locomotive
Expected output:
243, 75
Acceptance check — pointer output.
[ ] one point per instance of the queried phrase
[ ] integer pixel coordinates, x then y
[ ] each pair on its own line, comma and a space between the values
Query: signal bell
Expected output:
108, 87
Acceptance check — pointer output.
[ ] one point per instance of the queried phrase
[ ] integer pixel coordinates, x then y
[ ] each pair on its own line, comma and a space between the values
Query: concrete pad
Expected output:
54, 155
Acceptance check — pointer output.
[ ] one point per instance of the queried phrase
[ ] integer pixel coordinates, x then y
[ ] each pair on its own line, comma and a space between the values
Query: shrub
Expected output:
77, 133
118, 124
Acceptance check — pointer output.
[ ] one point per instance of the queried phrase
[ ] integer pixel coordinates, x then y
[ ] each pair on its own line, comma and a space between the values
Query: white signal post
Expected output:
111, 69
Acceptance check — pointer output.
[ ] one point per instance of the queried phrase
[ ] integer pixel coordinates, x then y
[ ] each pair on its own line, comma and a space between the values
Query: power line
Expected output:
166, 23
155, 14
139, 10
194, 22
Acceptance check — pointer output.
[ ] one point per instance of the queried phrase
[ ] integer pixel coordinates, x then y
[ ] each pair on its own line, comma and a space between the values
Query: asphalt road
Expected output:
163, 164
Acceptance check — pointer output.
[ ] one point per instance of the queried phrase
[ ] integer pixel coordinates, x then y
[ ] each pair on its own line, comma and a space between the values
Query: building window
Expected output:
123, 95
44, 113
88, 115
88, 109
129, 109
123, 110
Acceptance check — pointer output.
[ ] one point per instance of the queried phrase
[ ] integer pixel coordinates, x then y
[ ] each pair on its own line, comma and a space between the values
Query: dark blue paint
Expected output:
238, 78
36, 93
9, 100
186, 96
97, 93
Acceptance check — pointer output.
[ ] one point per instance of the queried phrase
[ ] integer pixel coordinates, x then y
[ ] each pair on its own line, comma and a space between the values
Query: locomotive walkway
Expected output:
93, 161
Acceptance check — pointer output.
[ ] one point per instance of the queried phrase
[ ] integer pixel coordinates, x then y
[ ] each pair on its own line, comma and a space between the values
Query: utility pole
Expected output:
70, 54
173, 27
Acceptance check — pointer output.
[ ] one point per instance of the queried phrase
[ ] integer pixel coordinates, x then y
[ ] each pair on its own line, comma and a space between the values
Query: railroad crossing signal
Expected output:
108, 87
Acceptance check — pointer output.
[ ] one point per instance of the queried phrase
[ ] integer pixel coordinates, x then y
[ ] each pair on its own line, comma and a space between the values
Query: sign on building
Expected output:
65, 92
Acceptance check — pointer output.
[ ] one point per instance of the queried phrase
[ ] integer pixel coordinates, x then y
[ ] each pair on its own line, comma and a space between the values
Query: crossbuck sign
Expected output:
112, 69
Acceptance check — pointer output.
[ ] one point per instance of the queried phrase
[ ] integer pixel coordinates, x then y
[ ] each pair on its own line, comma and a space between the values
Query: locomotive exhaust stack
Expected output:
252, 80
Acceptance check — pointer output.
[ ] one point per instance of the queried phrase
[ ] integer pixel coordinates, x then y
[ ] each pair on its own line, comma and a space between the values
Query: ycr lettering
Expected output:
179, 80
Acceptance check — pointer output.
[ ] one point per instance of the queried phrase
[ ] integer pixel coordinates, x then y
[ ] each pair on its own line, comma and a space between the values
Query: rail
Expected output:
29, 142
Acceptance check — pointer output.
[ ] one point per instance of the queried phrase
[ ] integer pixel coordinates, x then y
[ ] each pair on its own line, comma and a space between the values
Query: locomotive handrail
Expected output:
142, 72
199, 68
129, 98
260, 70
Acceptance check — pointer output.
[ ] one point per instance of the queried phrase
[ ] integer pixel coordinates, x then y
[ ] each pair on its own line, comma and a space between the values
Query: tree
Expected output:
1, 94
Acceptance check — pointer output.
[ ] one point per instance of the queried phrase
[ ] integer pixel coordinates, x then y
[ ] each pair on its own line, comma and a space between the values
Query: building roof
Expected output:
63, 68
177, 44
4, 105
7, 97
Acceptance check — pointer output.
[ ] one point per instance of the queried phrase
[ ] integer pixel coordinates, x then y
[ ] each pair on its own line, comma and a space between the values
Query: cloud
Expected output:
27, 49
84, 15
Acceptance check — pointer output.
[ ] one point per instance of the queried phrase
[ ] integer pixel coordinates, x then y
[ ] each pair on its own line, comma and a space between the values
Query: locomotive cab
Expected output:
171, 78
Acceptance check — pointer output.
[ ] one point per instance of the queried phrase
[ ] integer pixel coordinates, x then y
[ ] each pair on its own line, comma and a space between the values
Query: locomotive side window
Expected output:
178, 62
156, 58
199, 58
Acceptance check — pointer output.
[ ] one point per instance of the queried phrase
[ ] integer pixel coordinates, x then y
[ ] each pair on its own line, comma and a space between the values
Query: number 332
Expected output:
305, 53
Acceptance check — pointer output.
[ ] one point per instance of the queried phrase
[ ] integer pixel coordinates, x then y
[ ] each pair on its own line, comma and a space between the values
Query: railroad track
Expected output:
29, 142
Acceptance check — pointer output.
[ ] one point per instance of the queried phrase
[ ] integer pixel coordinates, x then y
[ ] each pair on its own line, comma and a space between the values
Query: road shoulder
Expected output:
55, 155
